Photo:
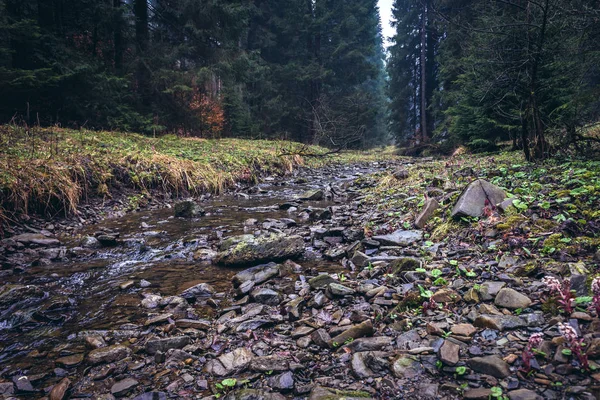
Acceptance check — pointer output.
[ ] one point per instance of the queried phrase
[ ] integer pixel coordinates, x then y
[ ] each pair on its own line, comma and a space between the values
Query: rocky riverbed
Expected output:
296, 288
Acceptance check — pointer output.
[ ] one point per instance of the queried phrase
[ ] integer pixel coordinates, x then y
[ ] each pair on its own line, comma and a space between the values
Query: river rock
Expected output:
59, 390
11, 294
407, 367
107, 240
336, 289
489, 290
399, 238
23, 384
510, 298
283, 382
7, 388
248, 249
229, 363
70, 361
269, 363
201, 290
355, 332
369, 343
89, 242
36, 238
524, 394
324, 393
253, 324
151, 396
258, 274
199, 324
266, 296
122, 387
449, 353
321, 281
429, 208
253, 394
188, 209
162, 345
490, 365
108, 354
314, 195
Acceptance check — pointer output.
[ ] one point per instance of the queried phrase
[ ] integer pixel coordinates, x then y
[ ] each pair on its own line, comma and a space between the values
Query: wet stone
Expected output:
201, 290
162, 345
257, 275
70, 361
23, 384
108, 354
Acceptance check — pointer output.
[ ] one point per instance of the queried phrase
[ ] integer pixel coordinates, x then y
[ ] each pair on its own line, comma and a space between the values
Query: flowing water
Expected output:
79, 296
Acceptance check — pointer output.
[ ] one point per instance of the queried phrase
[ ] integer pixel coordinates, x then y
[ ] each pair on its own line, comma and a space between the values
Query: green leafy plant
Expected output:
436, 273
425, 293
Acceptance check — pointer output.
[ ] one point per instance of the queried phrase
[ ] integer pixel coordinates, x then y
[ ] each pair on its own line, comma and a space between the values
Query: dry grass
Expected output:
48, 171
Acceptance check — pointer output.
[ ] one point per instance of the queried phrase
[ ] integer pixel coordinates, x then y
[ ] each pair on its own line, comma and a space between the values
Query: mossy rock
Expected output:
247, 249
404, 264
188, 209
324, 393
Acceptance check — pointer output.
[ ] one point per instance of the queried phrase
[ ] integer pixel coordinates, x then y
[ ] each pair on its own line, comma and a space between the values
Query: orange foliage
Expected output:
210, 113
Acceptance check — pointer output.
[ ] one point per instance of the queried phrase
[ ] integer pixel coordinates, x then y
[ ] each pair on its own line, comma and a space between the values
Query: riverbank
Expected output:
51, 171
350, 281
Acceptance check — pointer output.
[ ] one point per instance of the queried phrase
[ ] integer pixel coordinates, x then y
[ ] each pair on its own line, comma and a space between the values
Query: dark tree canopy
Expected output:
259, 68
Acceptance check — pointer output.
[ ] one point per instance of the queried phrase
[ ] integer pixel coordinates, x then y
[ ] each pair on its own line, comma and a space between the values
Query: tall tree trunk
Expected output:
430, 72
424, 133
118, 36
140, 9
541, 149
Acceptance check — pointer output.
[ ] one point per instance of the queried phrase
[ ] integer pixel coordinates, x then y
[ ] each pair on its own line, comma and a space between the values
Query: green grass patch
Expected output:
49, 171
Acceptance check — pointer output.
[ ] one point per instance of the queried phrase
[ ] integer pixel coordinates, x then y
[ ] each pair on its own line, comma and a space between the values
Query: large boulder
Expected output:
248, 249
473, 199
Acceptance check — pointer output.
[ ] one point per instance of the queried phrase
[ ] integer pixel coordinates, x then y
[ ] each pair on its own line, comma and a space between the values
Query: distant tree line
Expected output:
479, 72
306, 70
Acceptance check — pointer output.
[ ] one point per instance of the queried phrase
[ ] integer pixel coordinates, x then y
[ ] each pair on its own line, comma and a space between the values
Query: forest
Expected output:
274, 200
457, 71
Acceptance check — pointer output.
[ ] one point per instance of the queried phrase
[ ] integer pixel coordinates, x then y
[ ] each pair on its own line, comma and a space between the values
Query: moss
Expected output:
544, 225
528, 269
554, 241
442, 230
404, 264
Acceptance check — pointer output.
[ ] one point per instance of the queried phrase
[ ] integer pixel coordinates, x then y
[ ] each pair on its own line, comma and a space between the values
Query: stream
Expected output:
102, 291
